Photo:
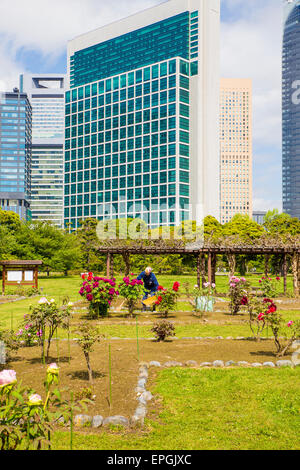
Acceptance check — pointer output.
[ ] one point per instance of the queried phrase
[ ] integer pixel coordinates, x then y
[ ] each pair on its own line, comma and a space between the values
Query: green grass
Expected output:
242, 409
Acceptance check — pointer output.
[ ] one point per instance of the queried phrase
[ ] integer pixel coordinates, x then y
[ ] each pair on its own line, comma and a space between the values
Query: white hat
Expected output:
148, 270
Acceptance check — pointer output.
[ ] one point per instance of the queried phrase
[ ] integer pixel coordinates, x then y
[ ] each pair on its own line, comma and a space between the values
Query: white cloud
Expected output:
47, 26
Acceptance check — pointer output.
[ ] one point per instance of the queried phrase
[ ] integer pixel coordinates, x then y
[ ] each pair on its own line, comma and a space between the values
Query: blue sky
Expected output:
33, 38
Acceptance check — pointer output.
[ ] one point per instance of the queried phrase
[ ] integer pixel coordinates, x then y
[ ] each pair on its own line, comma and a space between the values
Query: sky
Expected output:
34, 35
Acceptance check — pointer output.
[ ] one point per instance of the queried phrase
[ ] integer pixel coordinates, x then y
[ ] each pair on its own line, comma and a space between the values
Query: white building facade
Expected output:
46, 93
142, 117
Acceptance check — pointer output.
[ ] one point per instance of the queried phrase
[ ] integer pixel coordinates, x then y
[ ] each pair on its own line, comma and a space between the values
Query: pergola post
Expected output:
295, 266
112, 266
232, 264
203, 269
108, 258
199, 257
126, 258
267, 259
214, 267
285, 273
209, 268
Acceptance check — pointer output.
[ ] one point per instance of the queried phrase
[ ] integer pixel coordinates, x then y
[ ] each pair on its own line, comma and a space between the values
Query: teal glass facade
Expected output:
155, 43
127, 136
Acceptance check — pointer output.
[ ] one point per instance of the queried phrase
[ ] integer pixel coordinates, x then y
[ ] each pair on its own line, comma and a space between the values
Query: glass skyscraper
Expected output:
141, 125
291, 108
46, 95
15, 153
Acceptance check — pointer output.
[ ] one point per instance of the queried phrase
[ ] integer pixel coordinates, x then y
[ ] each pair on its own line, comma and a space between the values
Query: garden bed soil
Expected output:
27, 364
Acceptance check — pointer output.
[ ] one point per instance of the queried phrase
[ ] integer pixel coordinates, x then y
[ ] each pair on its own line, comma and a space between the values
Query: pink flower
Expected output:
89, 297
7, 377
290, 323
53, 369
260, 317
277, 278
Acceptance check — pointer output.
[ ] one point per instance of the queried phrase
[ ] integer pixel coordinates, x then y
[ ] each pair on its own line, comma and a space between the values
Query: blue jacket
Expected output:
150, 282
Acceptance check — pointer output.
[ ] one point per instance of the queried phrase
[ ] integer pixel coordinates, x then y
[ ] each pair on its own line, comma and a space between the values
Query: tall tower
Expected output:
46, 93
15, 153
291, 108
235, 148
142, 117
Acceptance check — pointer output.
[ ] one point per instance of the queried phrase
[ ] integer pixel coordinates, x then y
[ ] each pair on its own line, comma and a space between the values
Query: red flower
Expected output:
160, 288
244, 301
277, 278
176, 286
83, 276
159, 298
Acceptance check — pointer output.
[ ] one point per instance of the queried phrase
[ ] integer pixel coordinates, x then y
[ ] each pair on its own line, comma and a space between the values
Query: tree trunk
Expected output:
87, 358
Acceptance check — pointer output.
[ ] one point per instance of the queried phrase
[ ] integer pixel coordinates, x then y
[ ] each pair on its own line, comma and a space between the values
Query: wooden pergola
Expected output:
20, 273
206, 256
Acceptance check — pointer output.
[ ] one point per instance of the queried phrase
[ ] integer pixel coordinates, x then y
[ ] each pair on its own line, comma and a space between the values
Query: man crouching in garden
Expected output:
150, 284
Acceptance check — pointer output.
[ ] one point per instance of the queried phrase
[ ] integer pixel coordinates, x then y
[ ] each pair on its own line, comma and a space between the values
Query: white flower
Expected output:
53, 369
43, 300
35, 399
70, 304
52, 301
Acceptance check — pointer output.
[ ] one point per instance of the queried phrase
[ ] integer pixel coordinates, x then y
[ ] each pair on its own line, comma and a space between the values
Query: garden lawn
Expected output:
238, 409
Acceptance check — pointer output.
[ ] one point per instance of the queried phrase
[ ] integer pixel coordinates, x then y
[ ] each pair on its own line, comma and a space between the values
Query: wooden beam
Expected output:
108, 264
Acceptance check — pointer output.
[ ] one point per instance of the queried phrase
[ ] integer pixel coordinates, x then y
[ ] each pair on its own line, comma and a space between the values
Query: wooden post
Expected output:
203, 269
36, 273
3, 280
209, 268
214, 267
112, 266
199, 269
127, 263
285, 273
295, 266
108, 265
267, 258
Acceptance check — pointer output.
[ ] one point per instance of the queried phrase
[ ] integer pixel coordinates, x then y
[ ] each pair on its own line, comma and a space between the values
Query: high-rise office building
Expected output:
15, 153
46, 94
235, 148
291, 108
142, 117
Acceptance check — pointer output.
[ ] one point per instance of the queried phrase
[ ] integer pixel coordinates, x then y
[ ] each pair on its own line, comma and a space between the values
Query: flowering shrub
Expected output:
238, 294
163, 329
204, 297
26, 421
289, 332
131, 289
99, 292
46, 317
269, 286
28, 335
167, 299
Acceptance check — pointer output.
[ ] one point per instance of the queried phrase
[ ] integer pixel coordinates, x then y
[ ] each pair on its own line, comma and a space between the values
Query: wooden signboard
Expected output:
20, 273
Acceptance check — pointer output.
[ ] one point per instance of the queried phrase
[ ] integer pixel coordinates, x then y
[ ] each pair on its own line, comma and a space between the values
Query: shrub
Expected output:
131, 289
269, 286
284, 334
99, 292
167, 299
46, 318
163, 329
238, 294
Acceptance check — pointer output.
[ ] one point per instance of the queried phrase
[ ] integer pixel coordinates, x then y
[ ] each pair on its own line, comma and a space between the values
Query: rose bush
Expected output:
284, 333
269, 286
238, 289
99, 292
167, 299
131, 289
